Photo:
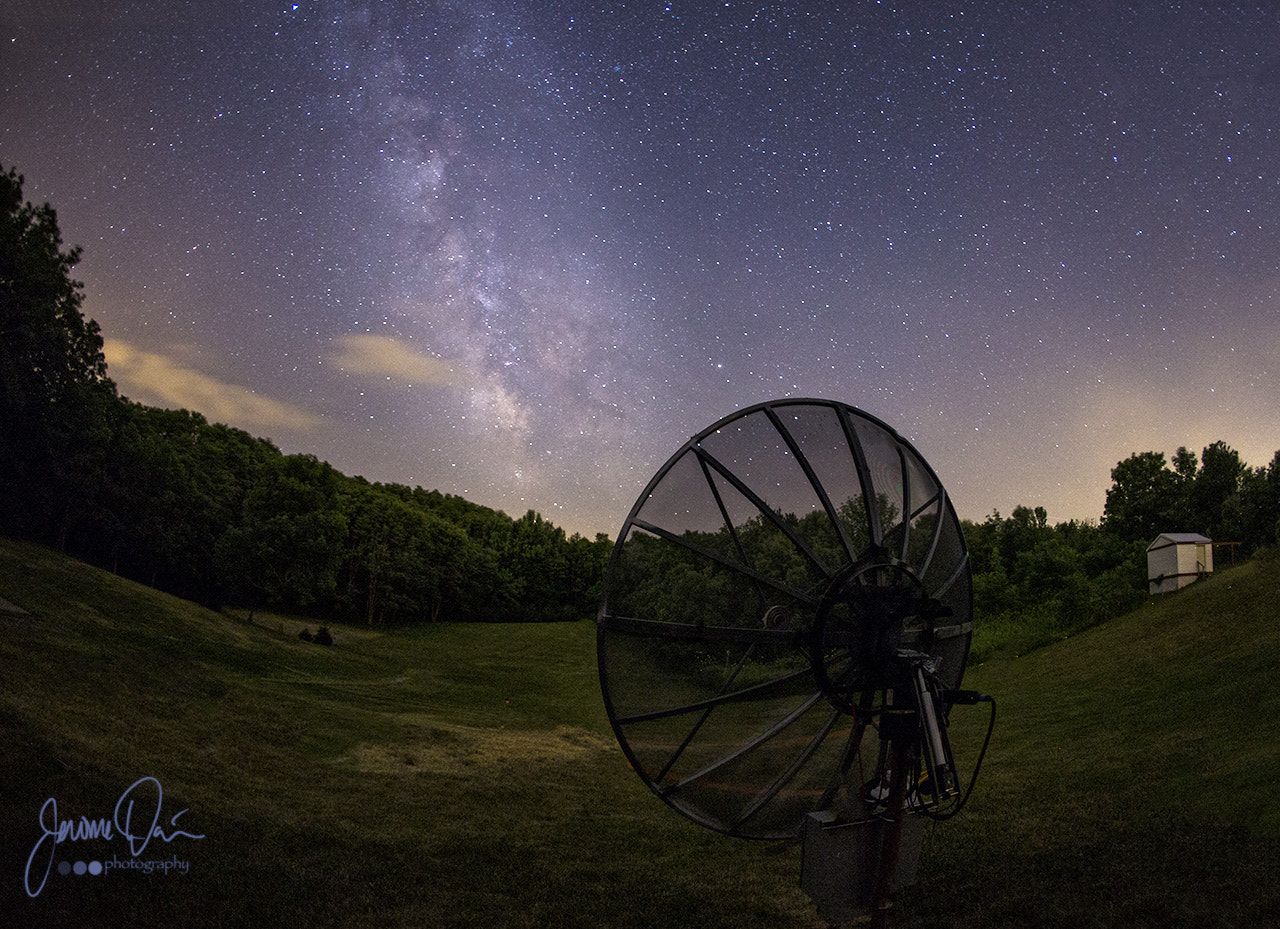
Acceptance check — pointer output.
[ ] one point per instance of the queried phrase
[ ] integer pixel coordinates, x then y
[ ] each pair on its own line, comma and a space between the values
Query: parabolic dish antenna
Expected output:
789, 580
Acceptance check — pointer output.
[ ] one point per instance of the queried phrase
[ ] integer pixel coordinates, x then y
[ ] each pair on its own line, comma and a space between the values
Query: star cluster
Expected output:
521, 252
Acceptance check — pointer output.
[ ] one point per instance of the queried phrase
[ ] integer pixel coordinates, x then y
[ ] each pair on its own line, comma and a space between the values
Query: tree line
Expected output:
1218, 496
216, 515
1034, 583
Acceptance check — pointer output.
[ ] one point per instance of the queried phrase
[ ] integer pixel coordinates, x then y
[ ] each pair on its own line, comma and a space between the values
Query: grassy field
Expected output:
464, 775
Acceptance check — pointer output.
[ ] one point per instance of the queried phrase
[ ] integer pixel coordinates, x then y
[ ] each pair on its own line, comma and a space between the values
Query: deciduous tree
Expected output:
1141, 496
53, 376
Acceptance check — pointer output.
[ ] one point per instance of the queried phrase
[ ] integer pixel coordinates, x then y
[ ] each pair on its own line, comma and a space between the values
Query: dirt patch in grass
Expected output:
455, 749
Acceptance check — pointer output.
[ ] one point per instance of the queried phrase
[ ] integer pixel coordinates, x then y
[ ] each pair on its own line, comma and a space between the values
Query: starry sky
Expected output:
521, 252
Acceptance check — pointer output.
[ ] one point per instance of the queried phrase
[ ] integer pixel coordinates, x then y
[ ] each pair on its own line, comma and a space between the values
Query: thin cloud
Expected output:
155, 379
386, 358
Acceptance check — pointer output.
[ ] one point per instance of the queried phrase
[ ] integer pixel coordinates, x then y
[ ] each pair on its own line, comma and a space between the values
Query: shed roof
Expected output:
1165, 539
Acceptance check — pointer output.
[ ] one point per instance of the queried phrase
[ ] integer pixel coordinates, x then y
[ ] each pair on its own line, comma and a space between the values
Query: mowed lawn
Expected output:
452, 775
465, 775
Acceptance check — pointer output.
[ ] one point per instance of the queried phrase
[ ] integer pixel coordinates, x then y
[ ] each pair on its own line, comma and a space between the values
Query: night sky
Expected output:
522, 251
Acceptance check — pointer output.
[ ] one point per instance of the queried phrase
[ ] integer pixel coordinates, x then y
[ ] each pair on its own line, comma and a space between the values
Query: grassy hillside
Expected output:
465, 776
453, 776
1132, 780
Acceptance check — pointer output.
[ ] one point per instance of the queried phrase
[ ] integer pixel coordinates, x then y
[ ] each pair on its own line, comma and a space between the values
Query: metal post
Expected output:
900, 729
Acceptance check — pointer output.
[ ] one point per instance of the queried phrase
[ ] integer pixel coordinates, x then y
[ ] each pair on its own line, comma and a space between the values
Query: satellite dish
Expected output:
789, 582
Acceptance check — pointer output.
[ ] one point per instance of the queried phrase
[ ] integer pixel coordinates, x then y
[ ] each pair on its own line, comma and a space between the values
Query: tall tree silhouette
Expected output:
54, 390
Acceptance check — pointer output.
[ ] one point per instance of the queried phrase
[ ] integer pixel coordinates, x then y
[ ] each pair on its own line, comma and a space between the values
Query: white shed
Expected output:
1175, 559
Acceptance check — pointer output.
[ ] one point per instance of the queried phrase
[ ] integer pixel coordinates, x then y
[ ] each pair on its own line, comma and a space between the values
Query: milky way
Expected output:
520, 252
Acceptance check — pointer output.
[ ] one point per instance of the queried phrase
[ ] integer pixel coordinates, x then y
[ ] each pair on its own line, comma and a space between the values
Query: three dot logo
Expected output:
80, 868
